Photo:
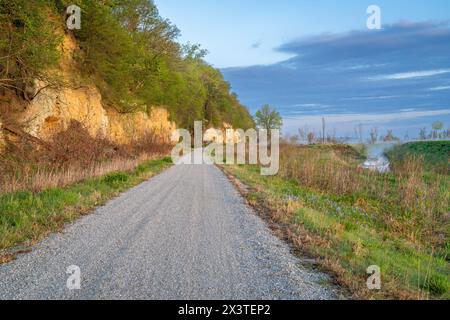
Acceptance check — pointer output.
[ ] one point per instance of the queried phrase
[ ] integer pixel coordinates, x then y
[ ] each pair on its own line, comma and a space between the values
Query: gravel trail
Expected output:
185, 234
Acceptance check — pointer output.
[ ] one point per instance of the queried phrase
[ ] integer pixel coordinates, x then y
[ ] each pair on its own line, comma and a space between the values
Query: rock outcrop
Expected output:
52, 109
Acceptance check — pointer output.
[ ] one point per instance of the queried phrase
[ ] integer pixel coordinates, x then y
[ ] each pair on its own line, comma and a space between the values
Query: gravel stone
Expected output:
184, 234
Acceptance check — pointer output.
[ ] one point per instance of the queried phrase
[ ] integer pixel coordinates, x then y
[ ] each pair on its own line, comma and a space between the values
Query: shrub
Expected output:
116, 179
71, 156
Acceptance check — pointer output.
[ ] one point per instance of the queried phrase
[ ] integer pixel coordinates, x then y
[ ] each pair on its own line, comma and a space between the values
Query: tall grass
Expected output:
40, 179
406, 194
350, 218
72, 156
27, 217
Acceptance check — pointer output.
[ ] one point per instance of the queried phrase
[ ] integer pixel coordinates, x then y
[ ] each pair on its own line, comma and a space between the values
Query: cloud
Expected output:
385, 117
441, 88
256, 45
402, 39
309, 105
333, 69
342, 121
410, 75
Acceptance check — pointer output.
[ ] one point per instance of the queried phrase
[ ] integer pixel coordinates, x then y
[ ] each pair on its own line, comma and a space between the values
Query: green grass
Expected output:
436, 154
348, 239
26, 217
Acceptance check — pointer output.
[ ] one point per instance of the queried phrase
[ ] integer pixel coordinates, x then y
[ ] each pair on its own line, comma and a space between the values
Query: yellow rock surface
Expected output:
126, 128
52, 110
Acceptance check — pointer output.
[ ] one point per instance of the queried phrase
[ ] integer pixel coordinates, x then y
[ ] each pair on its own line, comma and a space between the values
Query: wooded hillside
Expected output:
127, 49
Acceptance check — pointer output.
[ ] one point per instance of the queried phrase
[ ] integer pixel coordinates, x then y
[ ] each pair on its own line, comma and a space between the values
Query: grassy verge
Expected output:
27, 217
349, 228
435, 154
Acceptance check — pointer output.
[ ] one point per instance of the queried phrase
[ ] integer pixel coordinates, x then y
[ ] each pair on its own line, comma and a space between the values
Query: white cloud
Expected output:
370, 98
309, 105
410, 75
366, 66
439, 88
293, 123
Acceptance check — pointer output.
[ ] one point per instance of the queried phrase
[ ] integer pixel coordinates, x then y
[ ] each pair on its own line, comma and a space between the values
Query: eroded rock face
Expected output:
224, 135
53, 110
126, 128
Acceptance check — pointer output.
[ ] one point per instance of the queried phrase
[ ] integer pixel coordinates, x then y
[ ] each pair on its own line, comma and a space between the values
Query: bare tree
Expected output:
302, 132
360, 132
374, 135
294, 139
311, 137
423, 134
323, 130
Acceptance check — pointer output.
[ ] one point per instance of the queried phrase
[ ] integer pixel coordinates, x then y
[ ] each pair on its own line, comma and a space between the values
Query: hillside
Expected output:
82, 103
116, 75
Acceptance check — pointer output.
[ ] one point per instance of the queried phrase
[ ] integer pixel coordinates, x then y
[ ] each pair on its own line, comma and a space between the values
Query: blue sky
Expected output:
317, 58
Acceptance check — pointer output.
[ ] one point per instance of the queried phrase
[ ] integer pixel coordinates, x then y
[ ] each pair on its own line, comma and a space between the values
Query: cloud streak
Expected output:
410, 75
385, 117
441, 88
403, 66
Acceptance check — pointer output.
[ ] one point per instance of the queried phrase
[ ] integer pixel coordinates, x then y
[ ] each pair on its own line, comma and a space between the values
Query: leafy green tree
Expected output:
437, 126
28, 43
267, 118
127, 49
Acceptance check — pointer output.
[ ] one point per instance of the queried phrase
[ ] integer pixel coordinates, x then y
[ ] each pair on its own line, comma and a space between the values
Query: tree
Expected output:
390, 137
423, 134
373, 135
28, 45
268, 119
359, 132
302, 132
323, 130
311, 137
437, 126
127, 49
294, 139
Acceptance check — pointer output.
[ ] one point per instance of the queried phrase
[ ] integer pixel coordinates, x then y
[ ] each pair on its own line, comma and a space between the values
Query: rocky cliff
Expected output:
53, 108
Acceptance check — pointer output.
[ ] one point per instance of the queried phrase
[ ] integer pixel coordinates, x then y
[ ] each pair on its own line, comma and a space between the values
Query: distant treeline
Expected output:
127, 49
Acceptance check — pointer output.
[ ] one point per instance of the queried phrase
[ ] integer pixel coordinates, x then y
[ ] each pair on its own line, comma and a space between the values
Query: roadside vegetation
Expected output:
131, 54
70, 156
435, 155
349, 218
27, 217
44, 185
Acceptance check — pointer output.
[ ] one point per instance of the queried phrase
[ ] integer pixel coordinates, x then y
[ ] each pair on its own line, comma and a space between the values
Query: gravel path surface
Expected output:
185, 234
